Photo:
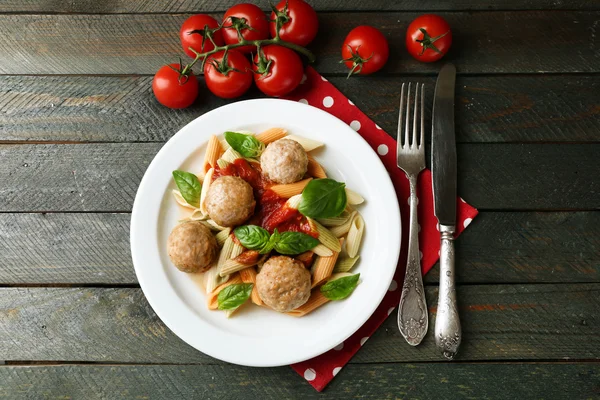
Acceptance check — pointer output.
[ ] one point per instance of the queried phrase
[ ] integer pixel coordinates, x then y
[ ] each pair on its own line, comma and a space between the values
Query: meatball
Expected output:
230, 201
192, 247
283, 283
284, 161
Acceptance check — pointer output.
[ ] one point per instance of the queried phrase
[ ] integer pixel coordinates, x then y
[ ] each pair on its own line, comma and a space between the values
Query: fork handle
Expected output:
412, 312
448, 333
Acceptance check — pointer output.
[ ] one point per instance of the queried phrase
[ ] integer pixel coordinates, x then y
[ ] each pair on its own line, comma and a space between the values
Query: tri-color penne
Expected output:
290, 189
271, 135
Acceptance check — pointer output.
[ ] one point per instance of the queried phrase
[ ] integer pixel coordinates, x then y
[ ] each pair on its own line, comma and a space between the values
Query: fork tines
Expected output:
405, 139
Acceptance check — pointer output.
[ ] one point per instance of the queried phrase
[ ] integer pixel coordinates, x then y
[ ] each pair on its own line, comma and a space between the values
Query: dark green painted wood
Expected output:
498, 247
104, 177
388, 381
527, 42
500, 322
158, 6
510, 108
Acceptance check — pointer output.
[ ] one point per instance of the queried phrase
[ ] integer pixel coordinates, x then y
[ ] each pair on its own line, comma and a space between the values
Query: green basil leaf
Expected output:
340, 288
252, 237
323, 198
189, 186
271, 243
246, 145
295, 243
234, 296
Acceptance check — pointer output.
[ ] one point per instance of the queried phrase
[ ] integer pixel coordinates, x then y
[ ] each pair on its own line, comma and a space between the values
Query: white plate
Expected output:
255, 336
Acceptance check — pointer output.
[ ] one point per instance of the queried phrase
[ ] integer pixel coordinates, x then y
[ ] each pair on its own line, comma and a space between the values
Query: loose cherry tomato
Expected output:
428, 38
172, 89
228, 75
195, 33
251, 21
299, 22
365, 50
278, 70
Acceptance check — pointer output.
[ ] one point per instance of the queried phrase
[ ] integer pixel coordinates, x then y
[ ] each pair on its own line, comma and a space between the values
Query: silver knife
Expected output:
443, 168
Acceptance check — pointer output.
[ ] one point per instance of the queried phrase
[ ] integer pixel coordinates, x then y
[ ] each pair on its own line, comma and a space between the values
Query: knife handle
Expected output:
448, 334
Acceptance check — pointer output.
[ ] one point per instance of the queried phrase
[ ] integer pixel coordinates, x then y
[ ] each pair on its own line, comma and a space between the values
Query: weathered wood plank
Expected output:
389, 381
507, 108
500, 322
499, 247
104, 177
140, 43
140, 6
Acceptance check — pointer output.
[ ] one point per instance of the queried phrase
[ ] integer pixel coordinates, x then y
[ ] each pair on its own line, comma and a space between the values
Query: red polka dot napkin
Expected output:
318, 92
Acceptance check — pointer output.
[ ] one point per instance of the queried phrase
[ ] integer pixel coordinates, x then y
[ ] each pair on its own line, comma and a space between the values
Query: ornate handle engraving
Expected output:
412, 313
447, 325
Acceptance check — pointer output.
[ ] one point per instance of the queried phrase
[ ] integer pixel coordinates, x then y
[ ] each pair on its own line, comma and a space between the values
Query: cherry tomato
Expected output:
365, 50
228, 75
245, 15
300, 22
195, 31
278, 70
428, 38
172, 89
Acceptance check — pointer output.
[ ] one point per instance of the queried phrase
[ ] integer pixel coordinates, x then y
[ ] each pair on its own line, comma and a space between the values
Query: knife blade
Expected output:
448, 333
443, 147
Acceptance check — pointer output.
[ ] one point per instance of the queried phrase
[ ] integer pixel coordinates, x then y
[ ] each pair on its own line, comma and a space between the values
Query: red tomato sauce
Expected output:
270, 211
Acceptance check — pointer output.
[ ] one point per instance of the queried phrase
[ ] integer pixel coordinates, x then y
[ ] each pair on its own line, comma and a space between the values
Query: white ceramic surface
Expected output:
256, 336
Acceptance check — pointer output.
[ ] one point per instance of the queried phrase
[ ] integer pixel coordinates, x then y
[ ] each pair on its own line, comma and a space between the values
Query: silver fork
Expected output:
410, 157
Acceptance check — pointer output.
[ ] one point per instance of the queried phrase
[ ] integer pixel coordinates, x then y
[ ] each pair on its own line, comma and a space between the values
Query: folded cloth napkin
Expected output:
319, 92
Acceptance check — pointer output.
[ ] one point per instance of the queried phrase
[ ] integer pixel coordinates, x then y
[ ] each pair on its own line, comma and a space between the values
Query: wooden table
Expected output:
79, 125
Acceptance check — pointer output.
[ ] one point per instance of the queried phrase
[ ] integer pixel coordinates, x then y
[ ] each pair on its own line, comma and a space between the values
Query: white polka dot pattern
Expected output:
336, 370
350, 102
355, 125
467, 222
303, 101
303, 79
328, 101
339, 347
310, 374
393, 286
363, 340
382, 149
391, 310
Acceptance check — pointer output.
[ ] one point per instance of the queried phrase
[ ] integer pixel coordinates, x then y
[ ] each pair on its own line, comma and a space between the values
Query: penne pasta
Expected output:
213, 152
314, 169
290, 189
308, 144
237, 249
231, 155
322, 250
248, 275
353, 197
213, 226
222, 163
341, 230
212, 279
226, 251
224, 144
211, 298
315, 301
181, 201
294, 201
221, 236
325, 236
323, 267
271, 135
205, 188
336, 221
345, 264
355, 235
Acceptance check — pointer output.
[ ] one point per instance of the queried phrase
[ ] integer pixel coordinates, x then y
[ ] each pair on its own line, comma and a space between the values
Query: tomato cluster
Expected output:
223, 49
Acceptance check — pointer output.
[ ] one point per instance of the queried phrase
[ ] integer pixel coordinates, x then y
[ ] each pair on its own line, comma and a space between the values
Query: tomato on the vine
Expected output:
428, 38
250, 20
299, 22
174, 87
365, 50
228, 74
196, 32
277, 70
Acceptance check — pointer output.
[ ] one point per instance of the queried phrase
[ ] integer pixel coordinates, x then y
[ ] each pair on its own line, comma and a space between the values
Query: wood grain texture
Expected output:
509, 108
498, 247
544, 41
500, 322
104, 177
388, 381
158, 6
